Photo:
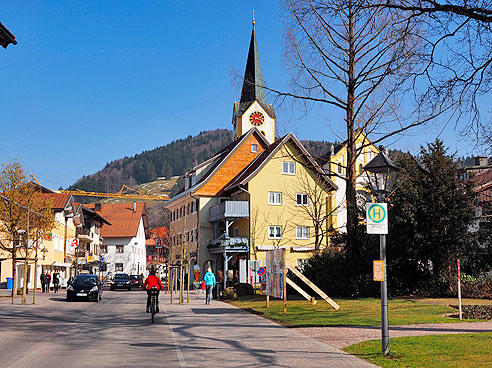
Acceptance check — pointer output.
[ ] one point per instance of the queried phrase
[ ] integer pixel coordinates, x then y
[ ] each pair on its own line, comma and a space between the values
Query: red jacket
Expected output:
152, 281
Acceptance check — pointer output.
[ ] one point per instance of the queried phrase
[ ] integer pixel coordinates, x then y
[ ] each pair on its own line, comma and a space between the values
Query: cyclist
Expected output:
152, 281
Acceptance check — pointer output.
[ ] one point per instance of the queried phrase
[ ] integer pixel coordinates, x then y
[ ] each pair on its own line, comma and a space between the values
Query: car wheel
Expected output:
69, 299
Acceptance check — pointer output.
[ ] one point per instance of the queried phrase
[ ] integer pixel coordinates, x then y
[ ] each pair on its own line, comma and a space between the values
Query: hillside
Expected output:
173, 159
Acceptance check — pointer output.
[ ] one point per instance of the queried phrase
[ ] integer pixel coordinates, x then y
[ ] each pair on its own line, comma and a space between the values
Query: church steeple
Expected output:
253, 111
253, 79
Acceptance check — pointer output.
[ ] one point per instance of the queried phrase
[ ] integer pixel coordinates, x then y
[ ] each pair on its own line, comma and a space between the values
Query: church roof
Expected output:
6, 37
253, 88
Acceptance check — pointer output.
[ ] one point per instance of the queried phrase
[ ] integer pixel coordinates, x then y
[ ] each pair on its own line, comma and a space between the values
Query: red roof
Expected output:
60, 200
124, 221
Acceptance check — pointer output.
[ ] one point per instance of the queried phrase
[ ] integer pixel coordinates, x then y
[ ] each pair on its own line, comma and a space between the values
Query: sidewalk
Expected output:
222, 335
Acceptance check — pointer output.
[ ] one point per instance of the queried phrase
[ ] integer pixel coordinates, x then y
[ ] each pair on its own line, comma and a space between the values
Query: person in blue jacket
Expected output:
210, 282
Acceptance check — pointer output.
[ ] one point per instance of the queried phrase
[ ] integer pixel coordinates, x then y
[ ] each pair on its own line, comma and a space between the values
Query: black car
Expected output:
85, 287
136, 281
121, 281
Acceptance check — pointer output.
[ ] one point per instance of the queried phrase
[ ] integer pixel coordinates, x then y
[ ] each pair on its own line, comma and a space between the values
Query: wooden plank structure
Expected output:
314, 287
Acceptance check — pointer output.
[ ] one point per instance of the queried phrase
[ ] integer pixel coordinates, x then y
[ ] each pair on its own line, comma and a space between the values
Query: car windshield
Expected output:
121, 276
84, 281
134, 277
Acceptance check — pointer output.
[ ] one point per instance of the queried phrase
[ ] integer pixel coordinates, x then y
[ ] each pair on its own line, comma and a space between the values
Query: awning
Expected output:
60, 264
303, 249
270, 247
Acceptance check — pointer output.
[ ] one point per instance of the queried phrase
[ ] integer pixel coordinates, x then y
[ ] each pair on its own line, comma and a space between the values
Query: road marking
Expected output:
179, 352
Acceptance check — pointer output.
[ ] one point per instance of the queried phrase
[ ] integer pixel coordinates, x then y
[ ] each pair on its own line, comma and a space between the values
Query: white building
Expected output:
123, 246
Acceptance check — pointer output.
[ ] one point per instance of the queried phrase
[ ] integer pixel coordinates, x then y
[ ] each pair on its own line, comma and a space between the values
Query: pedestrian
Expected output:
43, 280
48, 282
210, 282
56, 282
220, 283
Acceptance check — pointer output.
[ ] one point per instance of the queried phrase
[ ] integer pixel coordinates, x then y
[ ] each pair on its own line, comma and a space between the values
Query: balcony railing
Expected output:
84, 234
237, 243
229, 209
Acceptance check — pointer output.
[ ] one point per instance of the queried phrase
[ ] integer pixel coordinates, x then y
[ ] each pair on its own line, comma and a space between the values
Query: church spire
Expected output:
253, 79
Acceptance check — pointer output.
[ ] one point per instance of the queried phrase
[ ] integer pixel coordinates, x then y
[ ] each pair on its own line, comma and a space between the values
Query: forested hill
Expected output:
173, 159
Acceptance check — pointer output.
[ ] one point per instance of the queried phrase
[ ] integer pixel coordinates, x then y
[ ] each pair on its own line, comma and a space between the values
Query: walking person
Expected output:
48, 282
43, 280
210, 282
56, 282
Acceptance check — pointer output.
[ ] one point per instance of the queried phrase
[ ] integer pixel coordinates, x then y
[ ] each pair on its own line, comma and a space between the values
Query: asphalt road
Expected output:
115, 332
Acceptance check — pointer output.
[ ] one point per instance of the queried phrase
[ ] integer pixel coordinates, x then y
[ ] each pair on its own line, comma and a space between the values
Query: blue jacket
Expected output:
209, 278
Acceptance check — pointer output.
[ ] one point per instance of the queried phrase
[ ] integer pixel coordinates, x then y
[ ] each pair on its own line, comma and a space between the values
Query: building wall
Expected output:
133, 257
288, 215
338, 202
268, 127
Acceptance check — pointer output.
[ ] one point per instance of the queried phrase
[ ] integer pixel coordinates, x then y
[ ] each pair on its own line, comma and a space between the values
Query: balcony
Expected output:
229, 209
84, 235
232, 244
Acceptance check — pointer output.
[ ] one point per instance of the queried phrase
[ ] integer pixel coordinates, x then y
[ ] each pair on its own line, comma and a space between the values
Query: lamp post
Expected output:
44, 251
382, 172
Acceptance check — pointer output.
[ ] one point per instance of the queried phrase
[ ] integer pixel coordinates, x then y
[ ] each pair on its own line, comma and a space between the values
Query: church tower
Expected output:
252, 110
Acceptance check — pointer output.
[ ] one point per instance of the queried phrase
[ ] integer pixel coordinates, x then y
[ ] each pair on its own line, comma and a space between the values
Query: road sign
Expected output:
261, 271
377, 218
378, 270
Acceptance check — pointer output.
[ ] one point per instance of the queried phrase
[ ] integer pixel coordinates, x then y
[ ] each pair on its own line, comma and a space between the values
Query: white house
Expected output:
123, 245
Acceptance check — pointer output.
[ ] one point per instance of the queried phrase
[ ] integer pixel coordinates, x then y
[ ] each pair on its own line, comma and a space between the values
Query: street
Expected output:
114, 332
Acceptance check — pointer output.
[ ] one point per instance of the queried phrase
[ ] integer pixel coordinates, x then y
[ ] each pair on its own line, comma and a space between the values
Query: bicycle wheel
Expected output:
152, 308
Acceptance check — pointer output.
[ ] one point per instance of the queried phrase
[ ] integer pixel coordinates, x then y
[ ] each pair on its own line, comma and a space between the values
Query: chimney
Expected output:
481, 161
97, 206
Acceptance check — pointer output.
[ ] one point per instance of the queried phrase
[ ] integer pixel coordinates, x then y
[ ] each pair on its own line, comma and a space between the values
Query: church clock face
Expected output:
256, 118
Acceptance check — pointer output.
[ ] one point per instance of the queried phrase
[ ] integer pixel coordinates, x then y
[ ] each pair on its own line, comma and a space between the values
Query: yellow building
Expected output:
336, 168
256, 194
54, 251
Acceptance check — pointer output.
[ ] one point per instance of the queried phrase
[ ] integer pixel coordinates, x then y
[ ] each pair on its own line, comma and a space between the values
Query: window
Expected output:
361, 168
187, 236
118, 267
274, 232
301, 263
289, 168
193, 207
120, 248
302, 199
236, 231
275, 198
302, 232
254, 148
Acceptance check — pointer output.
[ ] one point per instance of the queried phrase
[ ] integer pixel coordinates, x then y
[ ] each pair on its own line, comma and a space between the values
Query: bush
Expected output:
229, 294
243, 289
475, 311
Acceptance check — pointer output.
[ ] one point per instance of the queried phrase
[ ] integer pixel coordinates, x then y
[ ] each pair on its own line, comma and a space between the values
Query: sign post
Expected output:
459, 289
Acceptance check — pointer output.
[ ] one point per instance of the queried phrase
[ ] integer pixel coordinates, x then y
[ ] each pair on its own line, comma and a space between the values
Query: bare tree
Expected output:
317, 209
456, 57
357, 60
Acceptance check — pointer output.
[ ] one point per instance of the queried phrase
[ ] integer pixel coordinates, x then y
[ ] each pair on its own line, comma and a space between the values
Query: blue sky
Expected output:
93, 81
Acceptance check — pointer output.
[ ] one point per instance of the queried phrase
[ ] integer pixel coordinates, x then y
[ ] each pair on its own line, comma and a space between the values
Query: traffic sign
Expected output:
261, 271
377, 218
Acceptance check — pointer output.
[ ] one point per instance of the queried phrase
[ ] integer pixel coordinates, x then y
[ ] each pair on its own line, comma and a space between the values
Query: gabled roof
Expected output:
250, 172
221, 159
90, 212
60, 200
124, 220
6, 37
482, 181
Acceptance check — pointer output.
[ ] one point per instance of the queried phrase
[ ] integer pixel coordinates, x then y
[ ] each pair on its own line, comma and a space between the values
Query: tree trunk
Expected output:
14, 260
26, 260
351, 148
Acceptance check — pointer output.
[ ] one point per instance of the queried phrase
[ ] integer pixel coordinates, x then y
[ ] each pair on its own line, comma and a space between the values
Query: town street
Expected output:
114, 332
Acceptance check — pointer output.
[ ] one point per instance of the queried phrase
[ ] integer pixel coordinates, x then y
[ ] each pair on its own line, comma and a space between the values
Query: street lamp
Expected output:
44, 251
382, 172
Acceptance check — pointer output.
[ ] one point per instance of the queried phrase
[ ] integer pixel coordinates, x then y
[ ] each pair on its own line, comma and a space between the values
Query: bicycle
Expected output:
153, 302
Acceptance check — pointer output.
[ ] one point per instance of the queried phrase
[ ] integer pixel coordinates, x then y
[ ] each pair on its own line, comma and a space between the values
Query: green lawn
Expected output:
436, 351
352, 312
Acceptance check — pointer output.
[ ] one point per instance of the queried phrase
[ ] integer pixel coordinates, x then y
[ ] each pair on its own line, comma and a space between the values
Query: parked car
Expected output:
136, 281
121, 281
85, 287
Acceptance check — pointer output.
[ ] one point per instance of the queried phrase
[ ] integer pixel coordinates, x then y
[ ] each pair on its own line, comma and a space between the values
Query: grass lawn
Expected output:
461, 350
352, 312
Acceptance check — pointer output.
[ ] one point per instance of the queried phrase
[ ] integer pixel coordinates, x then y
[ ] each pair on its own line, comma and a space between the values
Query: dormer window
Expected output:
254, 148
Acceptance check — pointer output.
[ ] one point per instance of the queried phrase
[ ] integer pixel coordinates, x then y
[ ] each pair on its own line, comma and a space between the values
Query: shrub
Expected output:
229, 294
243, 289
